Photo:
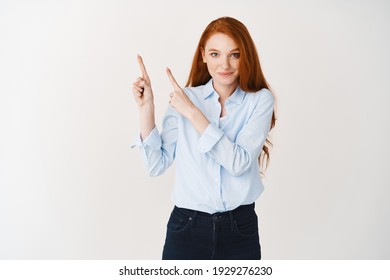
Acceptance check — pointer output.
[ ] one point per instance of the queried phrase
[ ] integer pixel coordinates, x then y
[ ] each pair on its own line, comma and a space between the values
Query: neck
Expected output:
224, 91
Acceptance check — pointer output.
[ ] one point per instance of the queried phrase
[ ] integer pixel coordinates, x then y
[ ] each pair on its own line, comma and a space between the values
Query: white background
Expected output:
71, 187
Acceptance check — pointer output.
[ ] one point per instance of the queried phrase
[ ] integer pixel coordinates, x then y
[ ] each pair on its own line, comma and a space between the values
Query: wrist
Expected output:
147, 107
193, 114
198, 119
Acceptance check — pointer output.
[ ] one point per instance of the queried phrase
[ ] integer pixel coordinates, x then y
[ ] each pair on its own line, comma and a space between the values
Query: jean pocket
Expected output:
247, 226
178, 222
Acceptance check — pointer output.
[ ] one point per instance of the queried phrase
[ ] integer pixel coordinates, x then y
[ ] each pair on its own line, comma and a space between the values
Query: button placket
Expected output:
217, 189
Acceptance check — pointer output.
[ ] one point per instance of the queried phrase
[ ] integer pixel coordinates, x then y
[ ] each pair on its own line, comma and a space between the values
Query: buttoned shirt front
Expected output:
218, 170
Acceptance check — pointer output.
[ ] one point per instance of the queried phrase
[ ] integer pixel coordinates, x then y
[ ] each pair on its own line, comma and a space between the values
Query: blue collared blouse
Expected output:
218, 170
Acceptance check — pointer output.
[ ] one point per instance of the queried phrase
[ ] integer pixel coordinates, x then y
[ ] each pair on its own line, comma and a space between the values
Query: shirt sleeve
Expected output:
238, 156
158, 150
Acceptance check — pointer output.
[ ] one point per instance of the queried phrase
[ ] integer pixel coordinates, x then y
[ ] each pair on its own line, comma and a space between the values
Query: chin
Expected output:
227, 81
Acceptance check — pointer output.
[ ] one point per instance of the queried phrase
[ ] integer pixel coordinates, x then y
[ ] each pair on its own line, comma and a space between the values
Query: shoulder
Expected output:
266, 94
194, 90
201, 90
263, 95
260, 101
195, 93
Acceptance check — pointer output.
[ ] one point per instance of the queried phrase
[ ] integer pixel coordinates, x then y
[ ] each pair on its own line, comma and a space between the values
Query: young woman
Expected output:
216, 129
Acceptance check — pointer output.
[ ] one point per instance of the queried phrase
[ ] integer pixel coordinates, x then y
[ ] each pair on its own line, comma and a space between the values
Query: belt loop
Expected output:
231, 220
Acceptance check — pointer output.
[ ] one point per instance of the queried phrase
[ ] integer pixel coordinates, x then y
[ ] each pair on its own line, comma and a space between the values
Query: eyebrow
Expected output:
214, 50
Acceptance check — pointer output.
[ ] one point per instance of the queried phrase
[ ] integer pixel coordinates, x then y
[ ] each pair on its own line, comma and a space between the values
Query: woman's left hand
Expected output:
178, 99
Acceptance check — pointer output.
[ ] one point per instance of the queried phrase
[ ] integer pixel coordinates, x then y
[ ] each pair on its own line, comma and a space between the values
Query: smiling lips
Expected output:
225, 74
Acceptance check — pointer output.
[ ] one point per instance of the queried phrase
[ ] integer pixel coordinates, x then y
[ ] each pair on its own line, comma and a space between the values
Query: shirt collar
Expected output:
236, 97
208, 89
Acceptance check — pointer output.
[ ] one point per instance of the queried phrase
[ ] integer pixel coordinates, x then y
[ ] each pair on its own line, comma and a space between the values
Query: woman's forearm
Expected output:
198, 120
147, 120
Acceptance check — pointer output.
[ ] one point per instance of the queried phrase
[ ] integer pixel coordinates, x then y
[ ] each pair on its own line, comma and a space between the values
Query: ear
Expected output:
203, 54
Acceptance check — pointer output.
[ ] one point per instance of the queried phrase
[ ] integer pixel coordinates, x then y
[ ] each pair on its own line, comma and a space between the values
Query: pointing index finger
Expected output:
172, 79
142, 67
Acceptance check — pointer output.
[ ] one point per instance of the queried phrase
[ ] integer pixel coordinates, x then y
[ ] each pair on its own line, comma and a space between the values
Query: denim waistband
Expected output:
218, 216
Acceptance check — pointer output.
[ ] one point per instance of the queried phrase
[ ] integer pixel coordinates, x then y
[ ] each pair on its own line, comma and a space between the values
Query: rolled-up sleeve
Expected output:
158, 150
209, 138
239, 155
153, 140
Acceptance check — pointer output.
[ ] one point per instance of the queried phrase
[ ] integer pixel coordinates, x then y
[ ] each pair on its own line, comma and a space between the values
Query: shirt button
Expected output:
216, 179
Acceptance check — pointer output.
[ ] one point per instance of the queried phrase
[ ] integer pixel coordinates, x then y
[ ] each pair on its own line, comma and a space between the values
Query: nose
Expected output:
225, 62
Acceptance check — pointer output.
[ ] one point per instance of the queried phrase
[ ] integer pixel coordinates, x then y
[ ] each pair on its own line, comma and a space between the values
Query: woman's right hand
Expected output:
142, 88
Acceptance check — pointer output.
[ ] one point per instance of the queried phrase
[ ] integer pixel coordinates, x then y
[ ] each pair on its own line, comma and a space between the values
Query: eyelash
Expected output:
234, 55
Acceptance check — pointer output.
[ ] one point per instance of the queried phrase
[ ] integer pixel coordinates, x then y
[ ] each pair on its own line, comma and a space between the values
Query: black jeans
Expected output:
196, 235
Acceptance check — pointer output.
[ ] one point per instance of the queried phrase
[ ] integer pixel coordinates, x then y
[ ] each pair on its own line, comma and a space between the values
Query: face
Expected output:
222, 56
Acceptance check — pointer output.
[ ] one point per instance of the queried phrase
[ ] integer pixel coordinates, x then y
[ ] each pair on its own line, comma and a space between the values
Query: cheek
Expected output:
236, 65
210, 67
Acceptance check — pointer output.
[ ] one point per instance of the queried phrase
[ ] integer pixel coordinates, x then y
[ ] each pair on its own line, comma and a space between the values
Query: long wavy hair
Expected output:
251, 77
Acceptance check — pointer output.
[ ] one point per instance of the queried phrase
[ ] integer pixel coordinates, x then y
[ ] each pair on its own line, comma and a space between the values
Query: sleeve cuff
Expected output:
153, 140
209, 138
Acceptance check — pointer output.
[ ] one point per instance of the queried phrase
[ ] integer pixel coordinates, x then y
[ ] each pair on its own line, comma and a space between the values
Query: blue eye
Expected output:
214, 54
235, 55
